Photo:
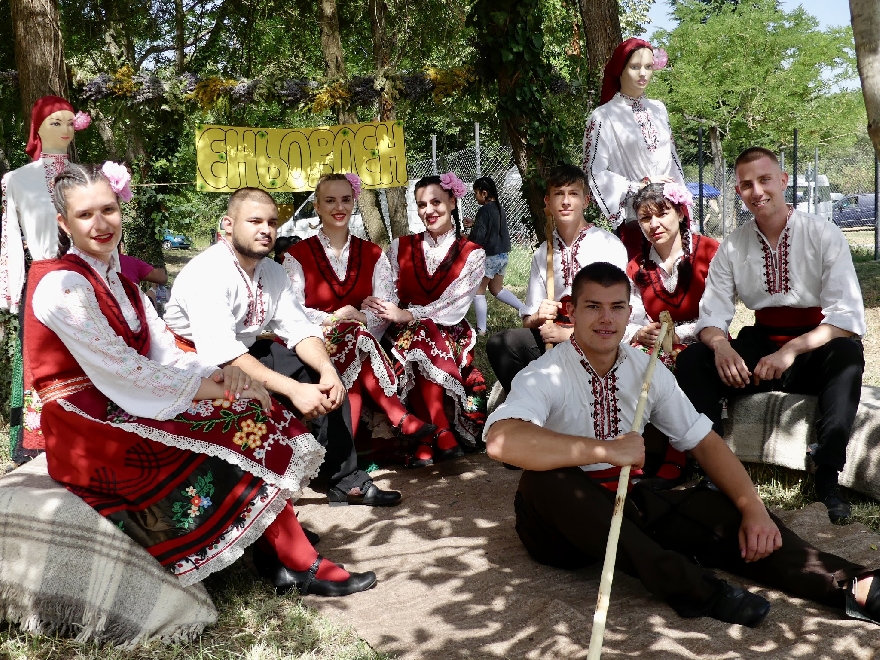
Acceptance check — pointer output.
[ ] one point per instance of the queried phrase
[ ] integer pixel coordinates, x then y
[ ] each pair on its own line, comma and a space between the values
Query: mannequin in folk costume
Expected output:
436, 275
333, 272
29, 232
628, 140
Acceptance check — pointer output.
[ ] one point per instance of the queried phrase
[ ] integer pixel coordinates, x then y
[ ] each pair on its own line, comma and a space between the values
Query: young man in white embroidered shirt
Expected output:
575, 244
230, 294
795, 270
567, 423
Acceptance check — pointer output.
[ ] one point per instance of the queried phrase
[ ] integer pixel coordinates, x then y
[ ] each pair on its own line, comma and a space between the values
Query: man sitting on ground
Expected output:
795, 270
575, 244
566, 421
229, 295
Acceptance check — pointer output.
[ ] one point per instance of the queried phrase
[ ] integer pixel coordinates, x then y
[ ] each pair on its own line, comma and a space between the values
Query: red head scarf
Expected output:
616, 65
43, 107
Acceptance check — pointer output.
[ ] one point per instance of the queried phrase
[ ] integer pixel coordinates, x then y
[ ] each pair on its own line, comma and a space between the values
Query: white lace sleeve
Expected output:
395, 270
164, 349
65, 302
11, 253
383, 287
298, 283
454, 302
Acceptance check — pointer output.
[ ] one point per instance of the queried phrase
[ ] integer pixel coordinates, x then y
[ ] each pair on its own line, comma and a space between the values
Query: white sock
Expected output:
482, 311
508, 298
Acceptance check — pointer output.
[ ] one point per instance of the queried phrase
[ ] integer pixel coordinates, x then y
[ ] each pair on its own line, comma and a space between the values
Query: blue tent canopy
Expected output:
709, 191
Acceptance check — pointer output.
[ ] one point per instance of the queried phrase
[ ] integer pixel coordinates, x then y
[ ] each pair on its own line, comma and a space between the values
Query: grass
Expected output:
257, 625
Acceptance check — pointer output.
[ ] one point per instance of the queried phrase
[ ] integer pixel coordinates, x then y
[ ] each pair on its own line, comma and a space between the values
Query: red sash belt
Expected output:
183, 343
787, 323
609, 477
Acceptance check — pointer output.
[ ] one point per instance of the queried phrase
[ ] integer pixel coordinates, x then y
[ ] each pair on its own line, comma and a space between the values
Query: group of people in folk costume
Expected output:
202, 417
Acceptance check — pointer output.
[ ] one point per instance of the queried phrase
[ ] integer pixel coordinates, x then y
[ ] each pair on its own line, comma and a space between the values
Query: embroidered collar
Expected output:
630, 100
325, 241
53, 164
776, 270
621, 357
256, 309
101, 267
606, 411
442, 239
568, 254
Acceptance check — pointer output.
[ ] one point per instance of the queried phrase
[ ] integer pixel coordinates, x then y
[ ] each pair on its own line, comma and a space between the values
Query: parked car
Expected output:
854, 211
172, 241
304, 222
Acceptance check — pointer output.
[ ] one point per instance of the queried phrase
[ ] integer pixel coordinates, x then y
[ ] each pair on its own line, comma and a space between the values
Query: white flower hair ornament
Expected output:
355, 182
453, 184
120, 179
661, 58
678, 194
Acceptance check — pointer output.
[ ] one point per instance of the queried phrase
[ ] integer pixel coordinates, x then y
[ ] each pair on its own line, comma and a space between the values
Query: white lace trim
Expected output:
367, 347
308, 454
195, 569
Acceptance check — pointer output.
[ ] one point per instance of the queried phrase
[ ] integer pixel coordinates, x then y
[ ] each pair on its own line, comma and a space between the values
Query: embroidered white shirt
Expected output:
556, 392
210, 303
159, 385
452, 305
616, 155
590, 245
29, 216
810, 267
383, 282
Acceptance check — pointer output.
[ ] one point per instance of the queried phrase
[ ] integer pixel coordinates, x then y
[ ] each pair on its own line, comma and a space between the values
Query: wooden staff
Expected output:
598, 633
551, 279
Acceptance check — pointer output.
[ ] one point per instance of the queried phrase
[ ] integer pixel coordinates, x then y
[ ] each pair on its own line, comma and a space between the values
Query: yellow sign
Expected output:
293, 159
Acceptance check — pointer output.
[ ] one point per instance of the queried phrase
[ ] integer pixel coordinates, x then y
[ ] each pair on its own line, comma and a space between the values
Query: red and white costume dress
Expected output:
193, 482
436, 280
327, 283
28, 219
661, 292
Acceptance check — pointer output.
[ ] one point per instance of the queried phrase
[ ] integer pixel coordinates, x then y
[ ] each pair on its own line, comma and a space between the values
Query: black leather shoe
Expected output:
304, 582
368, 495
426, 430
835, 501
446, 454
735, 605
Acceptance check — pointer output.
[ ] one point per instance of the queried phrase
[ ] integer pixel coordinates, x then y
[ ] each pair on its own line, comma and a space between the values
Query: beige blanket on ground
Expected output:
65, 568
455, 582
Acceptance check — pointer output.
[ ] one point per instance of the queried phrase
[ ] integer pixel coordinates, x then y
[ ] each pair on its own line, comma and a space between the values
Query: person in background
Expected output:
489, 230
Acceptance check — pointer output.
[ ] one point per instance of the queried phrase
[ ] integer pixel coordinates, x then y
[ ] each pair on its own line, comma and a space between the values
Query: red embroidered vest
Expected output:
52, 364
683, 306
414, 285
324, 290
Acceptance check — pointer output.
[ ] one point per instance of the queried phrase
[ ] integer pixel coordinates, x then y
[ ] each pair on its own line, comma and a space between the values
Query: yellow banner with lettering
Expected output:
293, 159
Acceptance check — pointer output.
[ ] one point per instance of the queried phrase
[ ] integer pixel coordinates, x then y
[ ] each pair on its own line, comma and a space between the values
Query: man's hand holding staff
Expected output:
664, 342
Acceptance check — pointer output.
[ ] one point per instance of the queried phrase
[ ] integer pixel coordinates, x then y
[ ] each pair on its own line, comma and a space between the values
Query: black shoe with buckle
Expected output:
283, 579
736, 605
426, 430
450, 452
367, 495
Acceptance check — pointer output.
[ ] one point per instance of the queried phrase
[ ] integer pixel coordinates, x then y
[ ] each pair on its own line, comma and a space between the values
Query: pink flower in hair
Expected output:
81, 120
120, 179
355, 182
453, 184
678, 194
661, 58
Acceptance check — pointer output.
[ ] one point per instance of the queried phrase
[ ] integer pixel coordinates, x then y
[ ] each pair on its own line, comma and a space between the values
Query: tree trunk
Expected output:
179, 38
601, 25
866, 31
39, 52
387, 111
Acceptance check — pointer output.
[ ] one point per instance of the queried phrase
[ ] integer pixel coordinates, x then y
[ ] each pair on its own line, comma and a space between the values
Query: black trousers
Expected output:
833, 372
333, 431
509, 351
667, 540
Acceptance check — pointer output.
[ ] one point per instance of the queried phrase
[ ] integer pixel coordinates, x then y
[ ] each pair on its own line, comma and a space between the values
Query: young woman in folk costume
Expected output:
334, 273
436, 274
670, 271
193, 462
628, 140
29, 232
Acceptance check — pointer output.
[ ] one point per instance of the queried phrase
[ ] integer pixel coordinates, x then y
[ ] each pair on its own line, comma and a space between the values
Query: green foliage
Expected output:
758, 72
8, 346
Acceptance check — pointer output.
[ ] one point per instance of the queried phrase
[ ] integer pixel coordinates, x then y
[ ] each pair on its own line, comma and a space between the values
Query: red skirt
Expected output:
351, 346
194, 490
444, 355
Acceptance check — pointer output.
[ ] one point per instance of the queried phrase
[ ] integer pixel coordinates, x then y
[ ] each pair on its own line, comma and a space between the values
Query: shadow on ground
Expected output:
454, 582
